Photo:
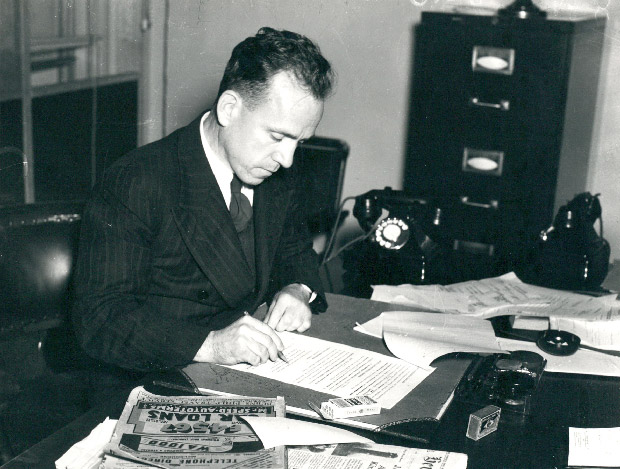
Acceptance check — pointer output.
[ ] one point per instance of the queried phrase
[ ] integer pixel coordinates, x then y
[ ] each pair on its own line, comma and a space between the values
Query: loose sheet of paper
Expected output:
372, 456
498, 296
600, 334
420, 338
341, 370
584, 361
594, 447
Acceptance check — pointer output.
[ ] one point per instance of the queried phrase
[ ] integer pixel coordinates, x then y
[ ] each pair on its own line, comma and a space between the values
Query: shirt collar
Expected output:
221, 167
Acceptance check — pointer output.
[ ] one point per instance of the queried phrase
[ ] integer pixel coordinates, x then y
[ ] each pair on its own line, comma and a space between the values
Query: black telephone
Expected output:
407, 219
570, 254
402, 247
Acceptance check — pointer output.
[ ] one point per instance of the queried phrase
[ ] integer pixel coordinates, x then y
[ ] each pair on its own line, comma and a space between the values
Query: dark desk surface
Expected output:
538, 441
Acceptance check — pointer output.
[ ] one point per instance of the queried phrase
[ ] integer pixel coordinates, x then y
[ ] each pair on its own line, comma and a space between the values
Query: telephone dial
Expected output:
405, 221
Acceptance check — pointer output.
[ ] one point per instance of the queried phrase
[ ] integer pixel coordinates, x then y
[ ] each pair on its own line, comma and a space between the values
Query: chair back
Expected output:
38, 244
322, 162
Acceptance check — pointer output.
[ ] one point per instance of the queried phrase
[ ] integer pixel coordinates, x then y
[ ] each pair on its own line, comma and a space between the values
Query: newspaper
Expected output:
371, 456
194, 431
348, 456
112, 462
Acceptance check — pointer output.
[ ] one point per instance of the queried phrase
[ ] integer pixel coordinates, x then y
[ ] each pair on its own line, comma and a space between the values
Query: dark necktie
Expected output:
240, 207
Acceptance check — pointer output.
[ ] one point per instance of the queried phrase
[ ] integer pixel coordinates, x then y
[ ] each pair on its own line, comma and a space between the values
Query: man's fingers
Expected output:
258, 353
264, 335
276, 311
305, 325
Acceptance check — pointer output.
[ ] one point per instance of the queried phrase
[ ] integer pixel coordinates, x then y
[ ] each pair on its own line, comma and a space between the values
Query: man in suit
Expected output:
164, 273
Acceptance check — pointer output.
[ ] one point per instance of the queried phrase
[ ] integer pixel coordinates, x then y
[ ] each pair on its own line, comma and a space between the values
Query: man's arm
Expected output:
115, 318
295, 274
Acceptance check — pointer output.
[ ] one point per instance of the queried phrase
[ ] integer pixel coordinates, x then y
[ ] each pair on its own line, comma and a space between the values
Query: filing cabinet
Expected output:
501, 118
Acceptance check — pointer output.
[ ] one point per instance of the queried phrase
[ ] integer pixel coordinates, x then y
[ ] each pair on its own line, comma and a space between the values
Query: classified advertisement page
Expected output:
194, 431
371, 456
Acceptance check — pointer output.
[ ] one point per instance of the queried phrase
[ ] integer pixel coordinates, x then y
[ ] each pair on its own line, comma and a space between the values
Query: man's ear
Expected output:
228, 106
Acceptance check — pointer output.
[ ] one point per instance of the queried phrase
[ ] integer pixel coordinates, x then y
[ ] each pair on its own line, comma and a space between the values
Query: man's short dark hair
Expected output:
257, 59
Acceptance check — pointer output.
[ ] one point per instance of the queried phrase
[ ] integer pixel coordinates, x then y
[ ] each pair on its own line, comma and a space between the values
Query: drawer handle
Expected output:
473, 247
492, 204
503, 105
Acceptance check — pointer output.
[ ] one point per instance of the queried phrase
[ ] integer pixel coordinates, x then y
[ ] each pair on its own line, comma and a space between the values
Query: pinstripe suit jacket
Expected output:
160, 264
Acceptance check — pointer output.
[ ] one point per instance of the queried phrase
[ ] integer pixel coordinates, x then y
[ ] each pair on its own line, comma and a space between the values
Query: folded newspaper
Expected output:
193, 431
212, 432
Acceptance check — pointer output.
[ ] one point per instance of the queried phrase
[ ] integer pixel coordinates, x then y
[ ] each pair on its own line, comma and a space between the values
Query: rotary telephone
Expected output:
402, 246
403, 224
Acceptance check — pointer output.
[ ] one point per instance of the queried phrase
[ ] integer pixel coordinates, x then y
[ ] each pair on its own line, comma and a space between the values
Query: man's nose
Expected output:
285, 154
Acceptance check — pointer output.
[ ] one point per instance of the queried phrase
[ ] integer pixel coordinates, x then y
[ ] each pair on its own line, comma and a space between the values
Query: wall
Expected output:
369, 42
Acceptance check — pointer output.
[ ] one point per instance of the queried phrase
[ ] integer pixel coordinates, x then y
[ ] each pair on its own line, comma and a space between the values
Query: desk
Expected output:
540, 441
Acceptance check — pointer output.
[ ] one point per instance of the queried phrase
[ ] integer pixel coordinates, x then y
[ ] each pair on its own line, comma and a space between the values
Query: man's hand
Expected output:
290, 310
245, 340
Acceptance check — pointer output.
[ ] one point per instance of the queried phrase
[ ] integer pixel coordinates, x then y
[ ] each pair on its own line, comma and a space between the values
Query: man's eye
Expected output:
277, 137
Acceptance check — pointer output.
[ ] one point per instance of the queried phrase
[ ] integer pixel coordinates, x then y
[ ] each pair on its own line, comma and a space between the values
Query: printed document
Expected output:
372, 456
601, 334
341, 370
594, 447
500, 296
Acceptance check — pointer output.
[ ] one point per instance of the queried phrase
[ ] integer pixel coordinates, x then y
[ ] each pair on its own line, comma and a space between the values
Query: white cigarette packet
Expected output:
345, 407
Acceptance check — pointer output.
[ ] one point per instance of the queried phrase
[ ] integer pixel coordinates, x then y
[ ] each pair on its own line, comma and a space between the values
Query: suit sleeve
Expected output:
296, 261
113, 317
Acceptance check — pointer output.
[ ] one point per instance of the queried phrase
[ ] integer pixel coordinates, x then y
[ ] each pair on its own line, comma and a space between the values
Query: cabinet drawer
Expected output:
480, 228
529, 89
472, 220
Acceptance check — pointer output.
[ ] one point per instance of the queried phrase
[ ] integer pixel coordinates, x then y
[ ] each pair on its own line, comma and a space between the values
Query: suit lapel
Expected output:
205, 224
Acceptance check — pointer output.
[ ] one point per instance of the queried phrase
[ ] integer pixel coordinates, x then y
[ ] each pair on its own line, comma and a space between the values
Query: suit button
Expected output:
203, 295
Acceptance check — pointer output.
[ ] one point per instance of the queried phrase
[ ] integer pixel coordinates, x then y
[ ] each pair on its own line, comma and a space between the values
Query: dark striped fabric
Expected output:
160, 264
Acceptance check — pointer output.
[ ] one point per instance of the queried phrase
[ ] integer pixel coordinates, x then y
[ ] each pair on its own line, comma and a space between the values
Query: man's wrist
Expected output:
311, 293
206, 352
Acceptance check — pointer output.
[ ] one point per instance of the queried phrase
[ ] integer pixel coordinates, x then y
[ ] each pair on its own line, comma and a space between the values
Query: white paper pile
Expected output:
87, 454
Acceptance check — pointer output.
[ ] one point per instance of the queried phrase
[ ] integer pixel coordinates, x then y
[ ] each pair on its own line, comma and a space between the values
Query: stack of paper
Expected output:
87, 453
596, 320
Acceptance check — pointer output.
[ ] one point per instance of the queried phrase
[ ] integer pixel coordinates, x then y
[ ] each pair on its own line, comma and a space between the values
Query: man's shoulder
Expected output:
146, 176
153, 162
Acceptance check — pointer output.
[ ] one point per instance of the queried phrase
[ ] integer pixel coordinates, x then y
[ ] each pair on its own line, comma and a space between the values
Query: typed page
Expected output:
341, 370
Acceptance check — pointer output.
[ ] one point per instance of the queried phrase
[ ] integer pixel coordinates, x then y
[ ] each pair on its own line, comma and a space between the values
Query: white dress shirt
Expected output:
221, 168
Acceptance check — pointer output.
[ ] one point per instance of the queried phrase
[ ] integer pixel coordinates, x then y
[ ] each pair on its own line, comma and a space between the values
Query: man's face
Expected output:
258, 141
